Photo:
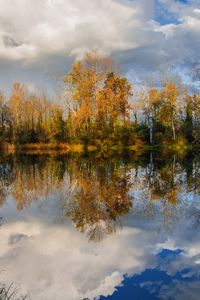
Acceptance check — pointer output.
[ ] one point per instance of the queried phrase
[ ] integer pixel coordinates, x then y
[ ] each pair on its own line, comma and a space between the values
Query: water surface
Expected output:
93, 228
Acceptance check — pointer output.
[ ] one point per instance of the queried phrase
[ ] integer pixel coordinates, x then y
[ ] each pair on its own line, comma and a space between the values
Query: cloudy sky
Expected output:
39, 39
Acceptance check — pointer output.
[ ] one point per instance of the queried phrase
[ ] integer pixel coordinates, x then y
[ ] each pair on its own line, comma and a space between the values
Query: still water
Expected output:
92, 228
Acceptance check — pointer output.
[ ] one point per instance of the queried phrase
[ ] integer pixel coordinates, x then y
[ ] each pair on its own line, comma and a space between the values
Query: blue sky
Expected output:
40, 39
164, 16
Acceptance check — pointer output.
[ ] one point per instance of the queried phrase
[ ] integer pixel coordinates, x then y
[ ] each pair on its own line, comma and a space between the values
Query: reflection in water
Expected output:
101, 196
97, 192
155, 198
174, 277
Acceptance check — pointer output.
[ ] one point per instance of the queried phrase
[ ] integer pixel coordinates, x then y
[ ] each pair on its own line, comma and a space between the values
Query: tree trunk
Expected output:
151, 131
151, 134
173, 130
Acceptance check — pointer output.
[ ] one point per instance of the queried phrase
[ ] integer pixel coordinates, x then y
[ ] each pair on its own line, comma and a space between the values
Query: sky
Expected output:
39, 39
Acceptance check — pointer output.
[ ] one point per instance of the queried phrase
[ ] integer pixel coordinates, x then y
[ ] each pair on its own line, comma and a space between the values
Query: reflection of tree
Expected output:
166, 187
194, 214
191, 166
99, 190
36, 179
164, 183
6, 179
1, 221
160, 186
101, 197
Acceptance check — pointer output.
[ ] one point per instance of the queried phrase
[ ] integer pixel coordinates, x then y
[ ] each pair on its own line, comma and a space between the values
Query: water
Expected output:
91, 228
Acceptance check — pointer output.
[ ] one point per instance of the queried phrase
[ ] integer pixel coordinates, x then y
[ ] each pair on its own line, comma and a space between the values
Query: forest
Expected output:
100, 108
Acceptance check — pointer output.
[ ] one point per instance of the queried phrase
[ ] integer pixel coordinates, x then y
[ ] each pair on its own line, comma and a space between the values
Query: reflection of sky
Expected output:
51, 260
176, 276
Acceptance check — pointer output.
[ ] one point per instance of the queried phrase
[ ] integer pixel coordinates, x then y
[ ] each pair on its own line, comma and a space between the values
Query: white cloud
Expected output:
42, 27
45, 36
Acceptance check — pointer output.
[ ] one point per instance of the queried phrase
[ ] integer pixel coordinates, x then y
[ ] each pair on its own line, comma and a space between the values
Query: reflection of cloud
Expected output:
181, 291
54, 261
57, 262
15, 238
165, 281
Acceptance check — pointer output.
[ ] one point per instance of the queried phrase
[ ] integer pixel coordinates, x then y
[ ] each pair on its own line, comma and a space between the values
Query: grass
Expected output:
10, 293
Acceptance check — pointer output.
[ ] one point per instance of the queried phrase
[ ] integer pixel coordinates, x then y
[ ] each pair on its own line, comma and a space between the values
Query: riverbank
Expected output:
65, 148
51, 148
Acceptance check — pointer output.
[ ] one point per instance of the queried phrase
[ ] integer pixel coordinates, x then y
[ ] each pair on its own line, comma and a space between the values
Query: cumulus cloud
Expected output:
36, 28
45, 36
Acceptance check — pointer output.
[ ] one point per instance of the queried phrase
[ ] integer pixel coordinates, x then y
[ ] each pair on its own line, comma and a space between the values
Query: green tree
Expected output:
57, 127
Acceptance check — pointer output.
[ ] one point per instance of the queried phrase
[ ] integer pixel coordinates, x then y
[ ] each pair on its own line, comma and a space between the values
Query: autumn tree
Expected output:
113, 100
169, 110
96, 95
5, 118
194, 110
103, 109
57, 126
152, 110
16, 104
34, 117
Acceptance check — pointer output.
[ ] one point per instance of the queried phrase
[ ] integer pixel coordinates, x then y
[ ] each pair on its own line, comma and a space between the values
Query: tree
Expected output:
188, 122
34, 117
195, 107
154, 103
5, 118
96, 95
113, 100
57, 126
169, 109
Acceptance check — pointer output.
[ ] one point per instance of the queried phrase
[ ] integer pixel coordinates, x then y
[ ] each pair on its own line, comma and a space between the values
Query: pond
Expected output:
86, 227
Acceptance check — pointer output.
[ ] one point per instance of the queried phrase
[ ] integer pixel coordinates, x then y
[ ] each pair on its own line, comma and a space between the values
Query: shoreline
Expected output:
64, 148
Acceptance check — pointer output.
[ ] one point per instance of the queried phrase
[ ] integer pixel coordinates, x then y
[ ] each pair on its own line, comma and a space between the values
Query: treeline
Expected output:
100, 107
29, 118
